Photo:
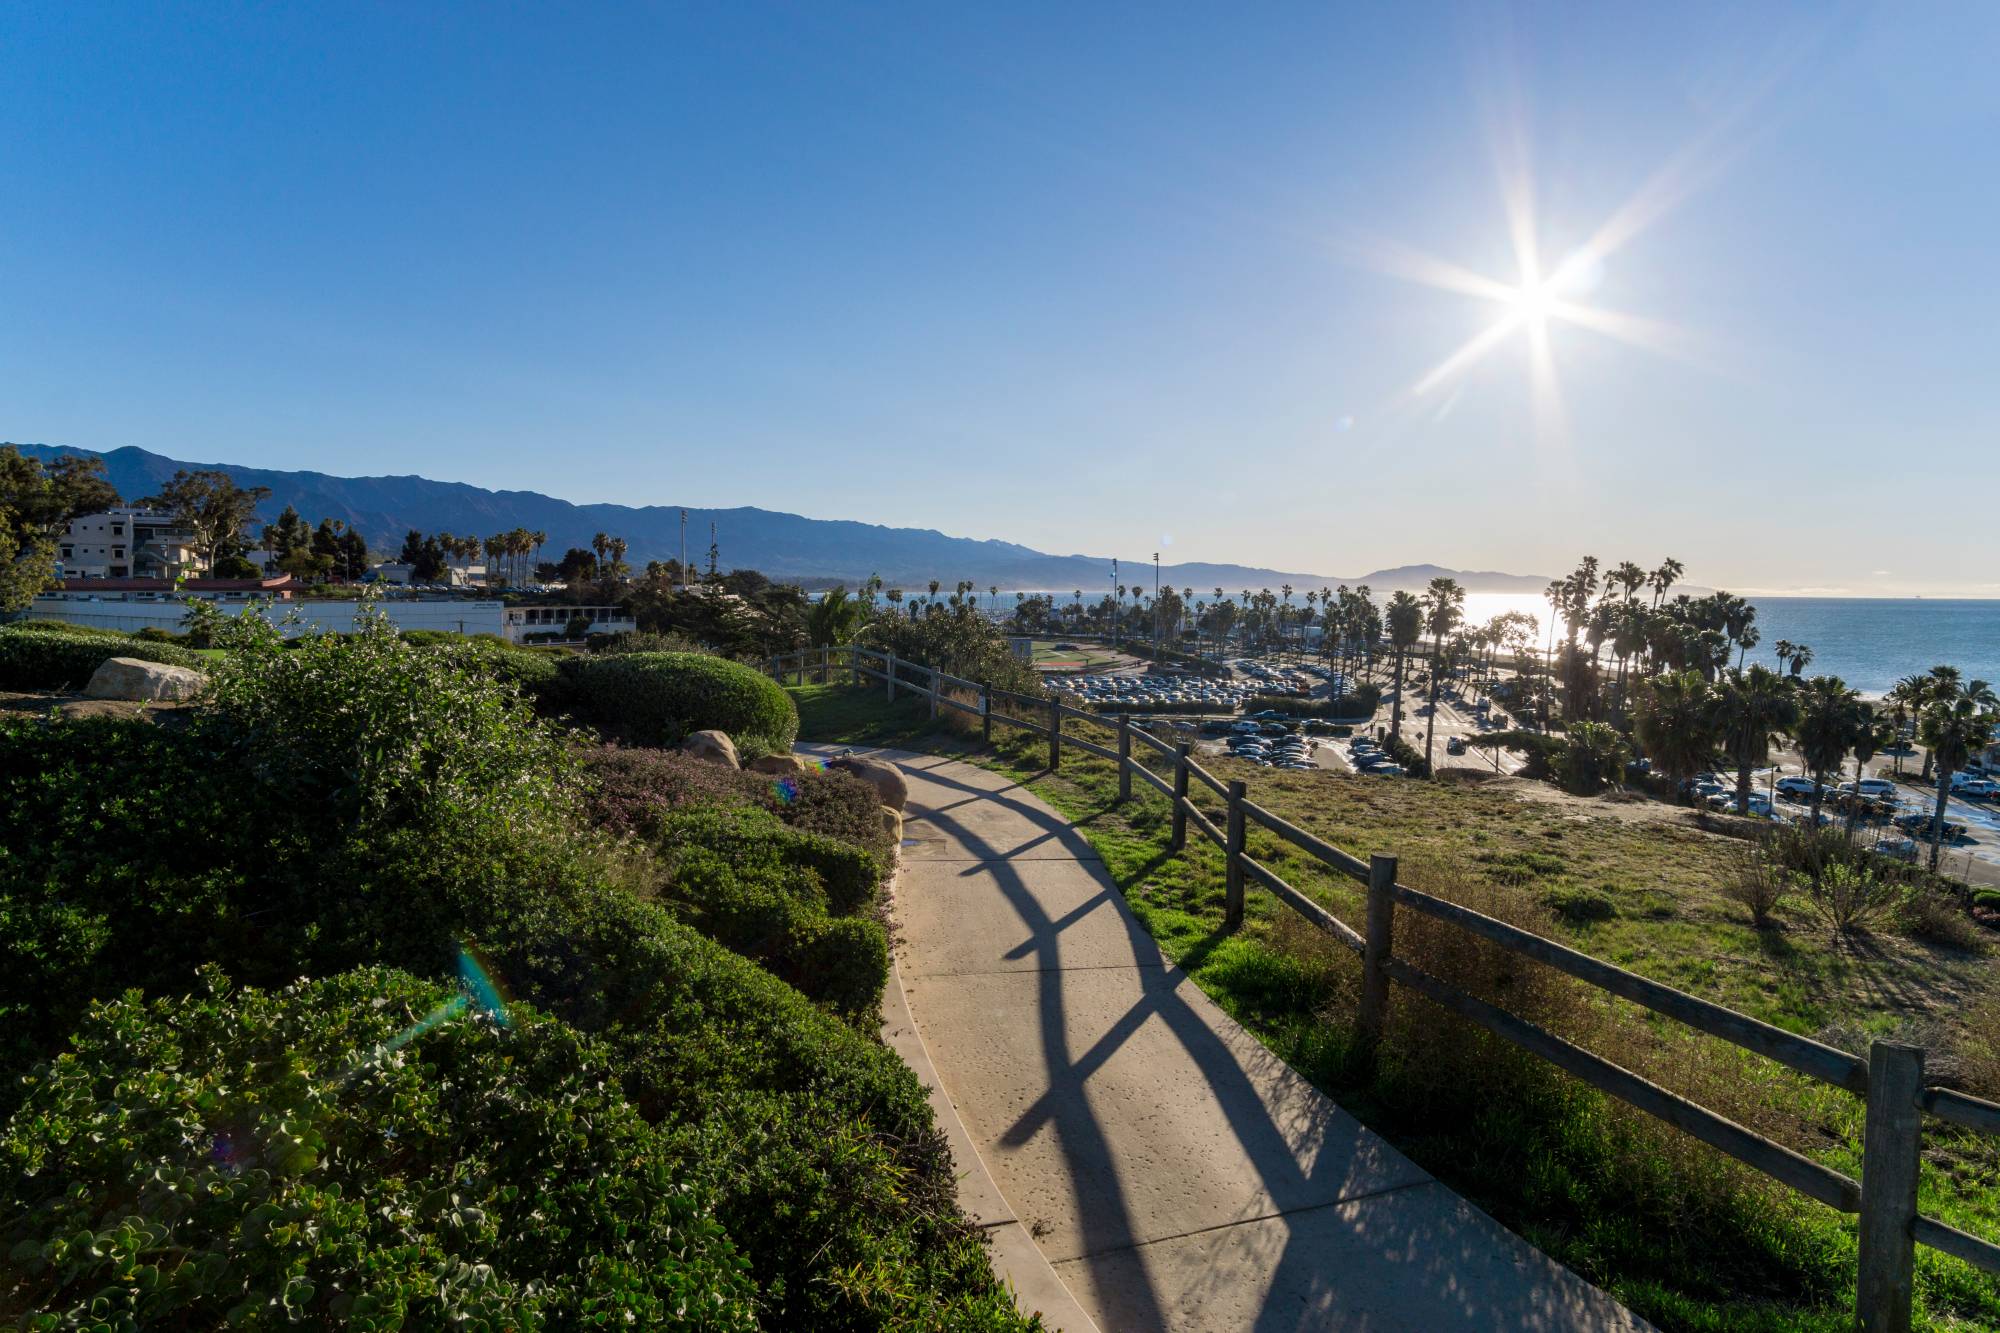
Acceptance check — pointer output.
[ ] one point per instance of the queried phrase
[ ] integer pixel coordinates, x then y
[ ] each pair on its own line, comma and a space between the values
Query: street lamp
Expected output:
1156, 606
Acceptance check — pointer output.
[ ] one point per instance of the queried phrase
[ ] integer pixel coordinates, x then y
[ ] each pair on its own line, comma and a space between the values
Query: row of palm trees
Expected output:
1685, 721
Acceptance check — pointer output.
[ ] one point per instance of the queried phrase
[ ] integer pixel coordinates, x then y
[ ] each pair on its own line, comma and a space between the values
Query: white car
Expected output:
1971, 784
1798, 787
1880, 789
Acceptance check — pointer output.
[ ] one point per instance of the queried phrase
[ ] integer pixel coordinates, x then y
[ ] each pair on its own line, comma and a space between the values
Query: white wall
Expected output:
458, 617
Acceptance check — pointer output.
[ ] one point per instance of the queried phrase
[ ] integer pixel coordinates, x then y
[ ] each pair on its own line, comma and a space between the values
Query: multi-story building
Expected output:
127, 543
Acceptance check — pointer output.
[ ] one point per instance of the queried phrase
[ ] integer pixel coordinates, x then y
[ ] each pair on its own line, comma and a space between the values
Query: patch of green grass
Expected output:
1680, 1234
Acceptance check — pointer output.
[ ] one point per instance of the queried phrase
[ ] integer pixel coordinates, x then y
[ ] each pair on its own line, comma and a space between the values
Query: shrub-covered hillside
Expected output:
361, 996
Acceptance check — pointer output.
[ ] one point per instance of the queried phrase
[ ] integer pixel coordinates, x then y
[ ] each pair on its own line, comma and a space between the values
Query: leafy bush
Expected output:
642, 641
320, 1156
782, 898
368, 729
631, 791
658, 698
1578, 905
43, 656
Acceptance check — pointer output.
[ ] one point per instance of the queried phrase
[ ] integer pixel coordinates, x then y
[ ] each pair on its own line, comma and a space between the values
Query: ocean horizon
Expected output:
1869, 642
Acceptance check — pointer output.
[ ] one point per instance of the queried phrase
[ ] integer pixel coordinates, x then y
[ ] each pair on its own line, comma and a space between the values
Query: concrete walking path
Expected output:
1173, 1173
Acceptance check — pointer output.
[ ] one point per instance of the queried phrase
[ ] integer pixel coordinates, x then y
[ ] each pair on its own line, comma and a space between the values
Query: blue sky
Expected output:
1084, 277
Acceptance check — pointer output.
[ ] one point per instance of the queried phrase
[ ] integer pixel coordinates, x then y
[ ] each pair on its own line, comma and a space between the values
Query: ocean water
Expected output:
1869, 642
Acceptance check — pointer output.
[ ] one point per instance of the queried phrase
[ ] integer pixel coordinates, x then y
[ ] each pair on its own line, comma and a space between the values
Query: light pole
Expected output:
1115, 607
1156, 607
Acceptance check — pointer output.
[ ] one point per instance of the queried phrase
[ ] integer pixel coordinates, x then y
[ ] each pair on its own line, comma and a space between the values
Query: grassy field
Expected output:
1681, 1234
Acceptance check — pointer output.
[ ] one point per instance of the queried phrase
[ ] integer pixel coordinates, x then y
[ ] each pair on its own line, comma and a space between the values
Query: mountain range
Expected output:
786, 546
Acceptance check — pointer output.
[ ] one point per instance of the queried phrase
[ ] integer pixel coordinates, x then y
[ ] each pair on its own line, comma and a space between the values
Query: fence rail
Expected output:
1890, 1079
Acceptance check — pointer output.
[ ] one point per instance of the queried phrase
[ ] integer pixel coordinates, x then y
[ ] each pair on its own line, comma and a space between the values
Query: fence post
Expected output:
1891, 1145
986, 715
1055, 734
1232, 861
1180, 796
1378, 946
825, 662
934, 693
889, 671
1124, 756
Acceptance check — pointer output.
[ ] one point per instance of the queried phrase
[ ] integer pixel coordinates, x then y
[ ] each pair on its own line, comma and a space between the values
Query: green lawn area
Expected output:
1683, 1235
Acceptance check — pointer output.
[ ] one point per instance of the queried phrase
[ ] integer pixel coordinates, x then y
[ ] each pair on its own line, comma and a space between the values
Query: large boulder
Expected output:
780, 765
890, 789
892, 826
714, 746
130, 678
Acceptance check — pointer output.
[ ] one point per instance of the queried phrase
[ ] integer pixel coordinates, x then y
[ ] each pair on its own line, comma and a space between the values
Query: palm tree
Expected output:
1629, 577
1749, 707
1444, 607
1954, 730
1675, 721
540, 539
1665, 577
1905, 699
1830, 717
1801, 655
599, 544
1406, 623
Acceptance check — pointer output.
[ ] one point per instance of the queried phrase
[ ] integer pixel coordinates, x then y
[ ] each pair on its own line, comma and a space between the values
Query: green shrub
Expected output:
658, 698
368, 729
367, 1151
783, 898
43, 656
1578, 905
632, 791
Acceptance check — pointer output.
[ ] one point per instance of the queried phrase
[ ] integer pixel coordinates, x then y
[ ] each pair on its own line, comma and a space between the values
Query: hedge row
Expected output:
632, 791
40, 655
785, 899
658, 698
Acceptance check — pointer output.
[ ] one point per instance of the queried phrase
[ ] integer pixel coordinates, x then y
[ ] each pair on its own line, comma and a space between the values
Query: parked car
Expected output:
1918, 822
1796, 787
1903, 849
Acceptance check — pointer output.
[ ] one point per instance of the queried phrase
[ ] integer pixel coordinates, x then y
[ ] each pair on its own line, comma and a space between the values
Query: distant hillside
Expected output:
382, 509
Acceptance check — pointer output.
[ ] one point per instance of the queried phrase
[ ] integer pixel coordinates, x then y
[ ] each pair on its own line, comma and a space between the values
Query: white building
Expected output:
525, 623
130, 612
127, 542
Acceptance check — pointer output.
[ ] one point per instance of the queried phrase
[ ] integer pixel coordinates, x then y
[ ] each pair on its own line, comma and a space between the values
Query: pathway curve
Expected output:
1174, 1172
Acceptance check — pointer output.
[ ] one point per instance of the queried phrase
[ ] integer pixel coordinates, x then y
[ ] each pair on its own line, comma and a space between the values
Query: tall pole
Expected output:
684, 548
1156, 606
1116, 607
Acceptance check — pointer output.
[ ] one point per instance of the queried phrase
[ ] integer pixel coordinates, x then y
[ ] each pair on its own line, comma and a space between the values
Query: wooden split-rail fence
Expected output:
1890, 1079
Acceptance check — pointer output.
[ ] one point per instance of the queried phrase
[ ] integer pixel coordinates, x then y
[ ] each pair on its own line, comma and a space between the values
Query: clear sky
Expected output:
1086, 277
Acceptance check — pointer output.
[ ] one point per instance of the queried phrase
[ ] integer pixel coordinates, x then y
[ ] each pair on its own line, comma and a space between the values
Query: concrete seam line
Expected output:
1026, 971
1246, 1221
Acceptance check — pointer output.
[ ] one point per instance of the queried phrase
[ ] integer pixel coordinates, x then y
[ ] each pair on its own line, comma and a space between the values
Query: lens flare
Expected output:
480, 987
786, 790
